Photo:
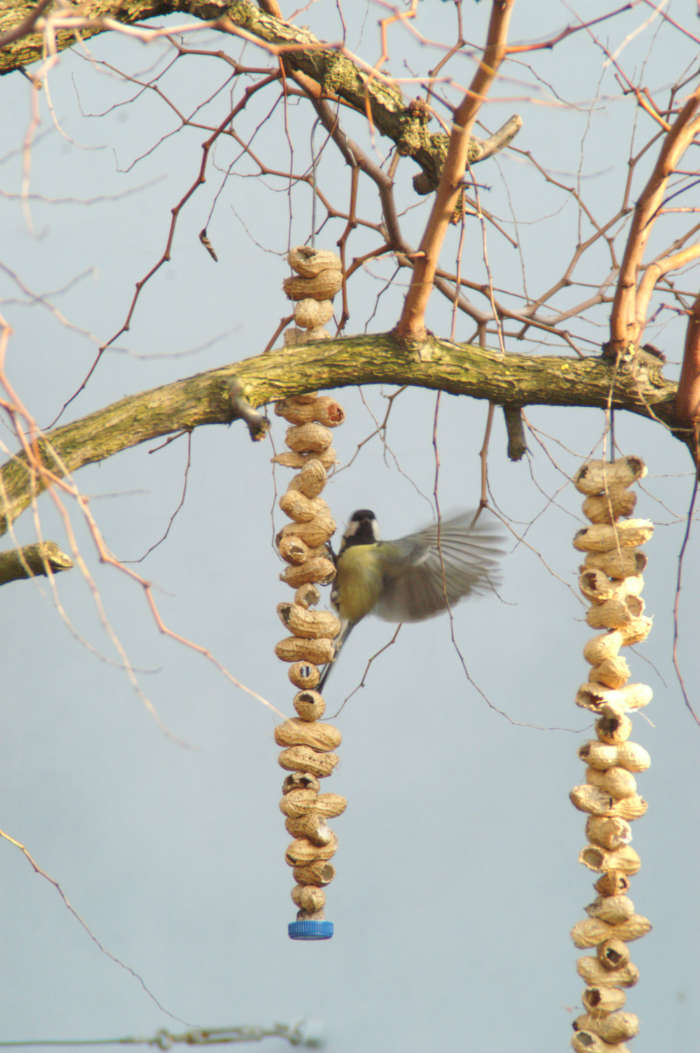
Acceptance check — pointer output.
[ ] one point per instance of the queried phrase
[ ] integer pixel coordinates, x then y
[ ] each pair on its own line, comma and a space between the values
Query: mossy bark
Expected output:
209, 398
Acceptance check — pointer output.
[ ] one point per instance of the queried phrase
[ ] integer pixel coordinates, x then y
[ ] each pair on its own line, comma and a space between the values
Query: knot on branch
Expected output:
432, 159
241, 409
644, 363
43, 557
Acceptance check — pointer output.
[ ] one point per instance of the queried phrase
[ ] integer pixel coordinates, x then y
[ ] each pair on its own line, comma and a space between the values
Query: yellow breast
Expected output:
358, 581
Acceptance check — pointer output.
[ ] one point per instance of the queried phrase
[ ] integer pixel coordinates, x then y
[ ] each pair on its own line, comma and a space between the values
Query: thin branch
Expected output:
355, 156
551, 42
271, 7
81, 921
627, 320
658, 268
677, 601
688, 398
175, 211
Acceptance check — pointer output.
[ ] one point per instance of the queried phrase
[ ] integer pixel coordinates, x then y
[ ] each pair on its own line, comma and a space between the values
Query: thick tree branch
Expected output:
460, 369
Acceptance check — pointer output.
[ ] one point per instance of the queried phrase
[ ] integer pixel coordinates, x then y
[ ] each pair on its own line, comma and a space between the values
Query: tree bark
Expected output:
41, 557
213, 397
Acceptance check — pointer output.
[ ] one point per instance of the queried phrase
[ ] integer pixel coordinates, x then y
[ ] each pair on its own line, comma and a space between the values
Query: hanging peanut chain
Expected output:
319, 279
611, 579
308, 743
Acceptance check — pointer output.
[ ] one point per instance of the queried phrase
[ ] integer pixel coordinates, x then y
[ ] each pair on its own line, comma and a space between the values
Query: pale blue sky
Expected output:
457, 880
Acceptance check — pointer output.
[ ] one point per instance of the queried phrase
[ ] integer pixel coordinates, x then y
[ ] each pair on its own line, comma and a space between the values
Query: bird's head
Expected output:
362, 528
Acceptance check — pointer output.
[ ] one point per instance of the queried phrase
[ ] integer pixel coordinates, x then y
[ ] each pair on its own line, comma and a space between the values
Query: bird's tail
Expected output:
340, 639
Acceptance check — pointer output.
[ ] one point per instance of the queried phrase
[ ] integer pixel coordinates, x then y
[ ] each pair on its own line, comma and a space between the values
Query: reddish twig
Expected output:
551, 42
688, 397
628, 316
677, 601
272, 8
658, 268
411, 324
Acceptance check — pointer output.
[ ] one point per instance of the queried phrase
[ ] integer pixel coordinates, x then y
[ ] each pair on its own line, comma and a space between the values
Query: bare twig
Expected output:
658, 268
411, 324
26, 25
81, 921
628, 316
677, 601
688, 397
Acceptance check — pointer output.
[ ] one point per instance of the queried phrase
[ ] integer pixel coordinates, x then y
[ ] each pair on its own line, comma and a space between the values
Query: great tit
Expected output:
413, 577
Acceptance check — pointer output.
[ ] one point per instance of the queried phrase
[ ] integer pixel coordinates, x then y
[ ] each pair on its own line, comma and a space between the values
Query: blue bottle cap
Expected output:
307, 929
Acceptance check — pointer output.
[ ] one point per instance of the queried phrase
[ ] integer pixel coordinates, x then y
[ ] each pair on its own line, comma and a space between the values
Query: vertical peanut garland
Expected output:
308, 743
319, 279
611, 579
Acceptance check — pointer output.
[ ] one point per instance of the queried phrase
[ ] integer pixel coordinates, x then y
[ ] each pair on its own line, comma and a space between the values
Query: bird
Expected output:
413, 577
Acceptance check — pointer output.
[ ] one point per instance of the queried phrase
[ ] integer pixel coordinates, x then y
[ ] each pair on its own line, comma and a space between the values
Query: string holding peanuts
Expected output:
308, 743
611, 579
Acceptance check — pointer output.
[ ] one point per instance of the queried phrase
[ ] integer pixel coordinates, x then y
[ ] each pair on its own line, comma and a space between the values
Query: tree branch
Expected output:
628, 316
411, 325
658, 268
688, 400
24, 28
42, 557
460, 369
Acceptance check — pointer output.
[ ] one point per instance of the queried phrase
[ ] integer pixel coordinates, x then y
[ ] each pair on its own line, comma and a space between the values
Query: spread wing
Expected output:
425, 586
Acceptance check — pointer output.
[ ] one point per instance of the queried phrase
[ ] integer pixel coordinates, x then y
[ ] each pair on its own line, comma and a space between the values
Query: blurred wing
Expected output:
422, 583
